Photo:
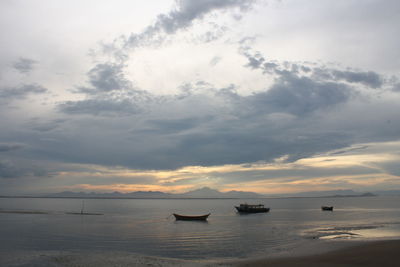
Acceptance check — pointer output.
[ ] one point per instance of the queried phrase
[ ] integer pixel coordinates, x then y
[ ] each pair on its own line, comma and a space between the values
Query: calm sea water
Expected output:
145, 226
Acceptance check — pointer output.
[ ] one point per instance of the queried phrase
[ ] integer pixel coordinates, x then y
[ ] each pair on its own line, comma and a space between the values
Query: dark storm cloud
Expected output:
296, 173
45, 126
7, 170
270, 67
189, 10
179, 18
111, 178
100, 107
106, 77
11, 169
257, 61
24, 65
109, 93
5, 147
369, 78
236, 143
186, 12
204, 125
217, 126
169, 126
308, 109
21, 92
299, 95
295, 93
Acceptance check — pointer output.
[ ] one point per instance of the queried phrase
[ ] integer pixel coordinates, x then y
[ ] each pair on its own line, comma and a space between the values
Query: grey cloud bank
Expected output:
4, 147
179, 18
301, 114
108, 77
302, 109
20, 92
25, 65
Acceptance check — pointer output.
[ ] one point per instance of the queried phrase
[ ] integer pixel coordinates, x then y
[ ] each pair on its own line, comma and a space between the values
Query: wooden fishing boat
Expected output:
247, 208
329, 208
191, 218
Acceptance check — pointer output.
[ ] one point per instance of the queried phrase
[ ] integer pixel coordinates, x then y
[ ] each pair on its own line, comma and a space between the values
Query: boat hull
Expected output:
191, 218
326, 208
251, 210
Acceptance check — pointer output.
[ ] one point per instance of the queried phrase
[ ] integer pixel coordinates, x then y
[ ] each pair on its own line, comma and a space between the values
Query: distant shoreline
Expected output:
202, 193
90, 197
128, 197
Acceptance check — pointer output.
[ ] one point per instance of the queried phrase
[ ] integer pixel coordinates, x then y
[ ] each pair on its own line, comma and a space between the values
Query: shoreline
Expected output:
367, 253
326, 254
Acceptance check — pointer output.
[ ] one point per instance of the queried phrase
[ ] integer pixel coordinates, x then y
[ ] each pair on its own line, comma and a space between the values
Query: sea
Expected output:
146, 227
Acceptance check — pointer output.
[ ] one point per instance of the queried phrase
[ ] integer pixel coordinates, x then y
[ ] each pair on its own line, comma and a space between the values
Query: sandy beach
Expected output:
370, 253
89, 259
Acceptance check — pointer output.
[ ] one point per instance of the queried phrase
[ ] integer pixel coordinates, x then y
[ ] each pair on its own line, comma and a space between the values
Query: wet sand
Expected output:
89, 259
376, 253
371, 253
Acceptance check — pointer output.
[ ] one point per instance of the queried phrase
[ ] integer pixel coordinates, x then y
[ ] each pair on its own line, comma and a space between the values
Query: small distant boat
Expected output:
247, 208
330, 208
191, 218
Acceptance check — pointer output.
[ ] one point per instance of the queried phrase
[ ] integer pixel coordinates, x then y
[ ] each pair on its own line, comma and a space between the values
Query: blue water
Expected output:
145, 226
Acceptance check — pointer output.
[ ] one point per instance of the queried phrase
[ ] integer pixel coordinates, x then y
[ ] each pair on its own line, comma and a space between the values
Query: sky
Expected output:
266, 96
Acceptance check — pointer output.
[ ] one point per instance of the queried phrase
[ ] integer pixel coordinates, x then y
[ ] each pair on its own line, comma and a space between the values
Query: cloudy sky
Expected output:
260, 95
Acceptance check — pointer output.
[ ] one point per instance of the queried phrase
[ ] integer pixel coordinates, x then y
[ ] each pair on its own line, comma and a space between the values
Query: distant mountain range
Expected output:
204, 192
207, 192
330, 193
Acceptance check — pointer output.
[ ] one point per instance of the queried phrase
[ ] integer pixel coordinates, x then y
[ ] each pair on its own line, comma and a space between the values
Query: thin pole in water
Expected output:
83, 206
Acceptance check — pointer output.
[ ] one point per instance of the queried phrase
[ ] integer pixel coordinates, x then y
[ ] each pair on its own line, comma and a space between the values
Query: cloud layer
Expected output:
303, 113
285, 122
